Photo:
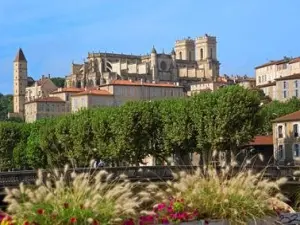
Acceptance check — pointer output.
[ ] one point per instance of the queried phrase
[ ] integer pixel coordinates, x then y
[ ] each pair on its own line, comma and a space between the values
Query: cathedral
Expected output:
190, 61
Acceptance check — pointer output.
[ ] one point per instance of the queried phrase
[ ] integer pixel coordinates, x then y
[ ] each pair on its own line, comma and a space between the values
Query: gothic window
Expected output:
211, 52
201, 53
295, 130
190, 56
163, 65
180, 55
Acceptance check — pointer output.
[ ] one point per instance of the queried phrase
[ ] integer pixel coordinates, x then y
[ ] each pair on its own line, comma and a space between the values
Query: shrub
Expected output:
84, 198
221, 194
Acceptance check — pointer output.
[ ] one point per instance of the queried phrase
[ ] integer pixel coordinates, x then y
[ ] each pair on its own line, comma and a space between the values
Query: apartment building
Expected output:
286, 139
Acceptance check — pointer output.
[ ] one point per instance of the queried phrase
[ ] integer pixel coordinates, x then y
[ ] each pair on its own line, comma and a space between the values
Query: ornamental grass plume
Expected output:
83, 198
220, 193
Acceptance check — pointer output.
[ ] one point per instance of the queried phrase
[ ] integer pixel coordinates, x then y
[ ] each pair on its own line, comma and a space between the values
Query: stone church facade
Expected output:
191, 60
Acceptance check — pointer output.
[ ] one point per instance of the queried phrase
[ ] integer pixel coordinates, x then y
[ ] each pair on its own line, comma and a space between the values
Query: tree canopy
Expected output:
218, 121
58, 81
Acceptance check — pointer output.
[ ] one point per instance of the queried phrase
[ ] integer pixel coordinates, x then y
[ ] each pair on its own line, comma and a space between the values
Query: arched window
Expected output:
190, 56
201, 53
296, 150
295, 130
180, 55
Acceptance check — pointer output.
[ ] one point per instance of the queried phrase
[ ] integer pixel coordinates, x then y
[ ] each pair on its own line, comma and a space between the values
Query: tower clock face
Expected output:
163, 65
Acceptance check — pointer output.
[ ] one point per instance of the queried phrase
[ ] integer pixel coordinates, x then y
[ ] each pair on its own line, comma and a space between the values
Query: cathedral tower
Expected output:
153, 57
20, 82
185, 49
206, 48
206, 55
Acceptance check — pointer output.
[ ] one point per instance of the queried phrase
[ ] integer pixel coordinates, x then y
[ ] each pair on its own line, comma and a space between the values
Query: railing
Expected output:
142, 174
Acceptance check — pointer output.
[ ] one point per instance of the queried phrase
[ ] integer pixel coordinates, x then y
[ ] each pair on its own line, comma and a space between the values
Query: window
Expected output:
259, 79
180, 55
201, 53
284, 85
296, 83
295, 130
280, 131
296, 150
280, 152
211, 52
296, 93
284, 94
190, 56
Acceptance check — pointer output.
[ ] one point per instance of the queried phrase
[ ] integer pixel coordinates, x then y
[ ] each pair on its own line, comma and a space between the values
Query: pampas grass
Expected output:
58, 198
223, 193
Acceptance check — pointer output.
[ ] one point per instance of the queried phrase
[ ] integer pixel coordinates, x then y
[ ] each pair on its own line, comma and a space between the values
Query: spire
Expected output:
20, 56
153, 50
173, 51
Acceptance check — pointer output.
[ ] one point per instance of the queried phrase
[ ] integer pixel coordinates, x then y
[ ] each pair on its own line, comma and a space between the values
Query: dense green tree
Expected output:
5, 106
9, 135
178, 131
273, 110
58, 81
225, 120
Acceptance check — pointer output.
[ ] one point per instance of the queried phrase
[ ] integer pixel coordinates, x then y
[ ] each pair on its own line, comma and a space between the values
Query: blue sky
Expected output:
53, 33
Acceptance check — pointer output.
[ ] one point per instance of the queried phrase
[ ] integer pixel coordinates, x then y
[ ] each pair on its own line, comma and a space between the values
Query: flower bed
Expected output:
198, 198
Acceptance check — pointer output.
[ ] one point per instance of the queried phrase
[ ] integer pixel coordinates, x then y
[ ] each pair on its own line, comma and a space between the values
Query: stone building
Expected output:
118, 92
190, 61
279, 79
286, 133
25, 88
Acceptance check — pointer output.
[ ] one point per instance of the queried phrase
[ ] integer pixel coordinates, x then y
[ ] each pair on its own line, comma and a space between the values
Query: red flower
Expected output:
66, 205
95, 222
26, 223
73, 220
40, 211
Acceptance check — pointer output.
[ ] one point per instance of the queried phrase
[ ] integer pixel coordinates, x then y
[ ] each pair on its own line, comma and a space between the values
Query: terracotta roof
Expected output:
68, 89
262, 140
290, 77
139, 83
47, 99
295, 60
295, 116
266, 85
94, 92
20, 56
273, 62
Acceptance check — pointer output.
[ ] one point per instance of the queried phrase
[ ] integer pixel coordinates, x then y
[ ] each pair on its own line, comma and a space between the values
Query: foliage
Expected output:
220, 121
235, 196
224, 120
58, 81
6, 105
273, 110
64, 198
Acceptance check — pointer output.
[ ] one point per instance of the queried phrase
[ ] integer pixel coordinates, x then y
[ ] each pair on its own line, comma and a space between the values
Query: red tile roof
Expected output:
47, 99
94, 92
69, 89
273, 62
139, 83
262, 140
295, 116
290, 77
295, 60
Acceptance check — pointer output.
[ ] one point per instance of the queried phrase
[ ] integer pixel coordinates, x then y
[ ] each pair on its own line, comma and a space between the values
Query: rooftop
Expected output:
94, 92
47, 99
295, 116
290, 77
69, 89
140, 83
20, 56
262, 140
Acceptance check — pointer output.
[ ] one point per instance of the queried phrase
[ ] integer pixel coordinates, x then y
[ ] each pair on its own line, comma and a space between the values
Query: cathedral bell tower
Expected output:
20, 82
